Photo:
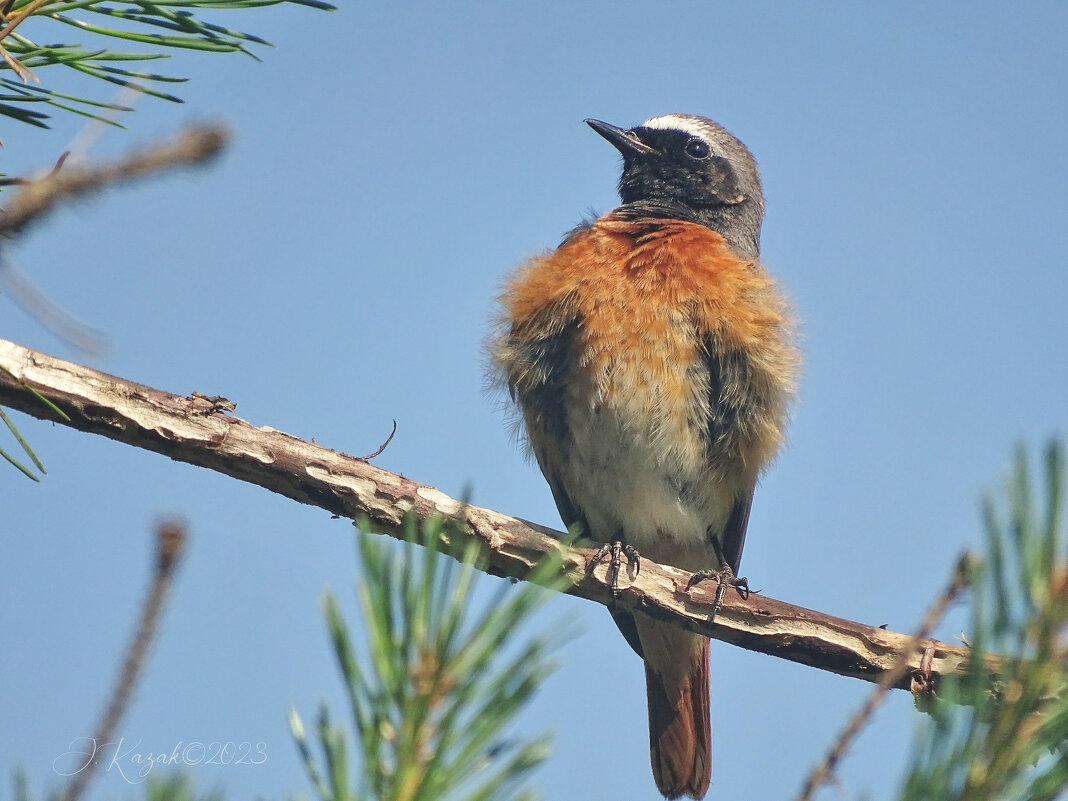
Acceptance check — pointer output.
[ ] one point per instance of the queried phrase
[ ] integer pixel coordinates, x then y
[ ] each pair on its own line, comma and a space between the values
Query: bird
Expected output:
652, 362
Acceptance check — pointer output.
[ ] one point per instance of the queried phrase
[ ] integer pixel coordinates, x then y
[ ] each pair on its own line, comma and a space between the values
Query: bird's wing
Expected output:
729, 398
733, 536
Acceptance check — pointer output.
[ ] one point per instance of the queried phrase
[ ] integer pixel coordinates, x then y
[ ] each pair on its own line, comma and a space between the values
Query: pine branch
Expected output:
170, 543
35, 199
434, 679
201, 431
161, 25
1013, 743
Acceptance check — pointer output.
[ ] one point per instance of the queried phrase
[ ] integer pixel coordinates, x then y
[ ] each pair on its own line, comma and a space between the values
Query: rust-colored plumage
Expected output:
651, 360
652, 296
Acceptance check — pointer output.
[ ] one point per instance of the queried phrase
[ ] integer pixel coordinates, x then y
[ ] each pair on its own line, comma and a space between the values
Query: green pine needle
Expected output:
1006, 736
18, 465
437, 678
163, 26
25, 448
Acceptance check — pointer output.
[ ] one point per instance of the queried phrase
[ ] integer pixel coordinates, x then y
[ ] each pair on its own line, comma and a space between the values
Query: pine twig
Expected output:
383, 446
36, 198
170, 541
824, 771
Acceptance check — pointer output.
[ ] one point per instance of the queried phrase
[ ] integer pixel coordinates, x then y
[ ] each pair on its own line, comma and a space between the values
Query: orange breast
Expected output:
657, 303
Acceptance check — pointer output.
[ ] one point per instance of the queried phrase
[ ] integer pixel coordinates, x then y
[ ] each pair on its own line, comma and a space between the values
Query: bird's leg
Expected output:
616, 549
724, 576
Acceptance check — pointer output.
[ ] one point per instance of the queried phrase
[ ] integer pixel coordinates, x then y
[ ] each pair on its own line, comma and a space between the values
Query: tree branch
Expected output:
201, 431
193, 146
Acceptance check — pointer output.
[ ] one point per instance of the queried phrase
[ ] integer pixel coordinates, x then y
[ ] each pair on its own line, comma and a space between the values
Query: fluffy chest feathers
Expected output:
652, 368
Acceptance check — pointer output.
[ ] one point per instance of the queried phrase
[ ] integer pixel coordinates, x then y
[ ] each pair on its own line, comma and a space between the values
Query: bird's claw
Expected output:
725, 578
616, 549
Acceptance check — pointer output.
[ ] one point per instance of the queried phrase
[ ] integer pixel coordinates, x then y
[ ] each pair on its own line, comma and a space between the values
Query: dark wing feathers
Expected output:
539, 352
730, 395
733, 537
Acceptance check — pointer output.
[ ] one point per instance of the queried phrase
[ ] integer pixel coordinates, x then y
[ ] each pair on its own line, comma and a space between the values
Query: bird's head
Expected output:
692, 165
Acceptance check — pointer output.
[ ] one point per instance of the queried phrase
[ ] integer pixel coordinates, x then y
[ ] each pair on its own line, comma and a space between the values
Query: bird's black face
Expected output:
691, 162
671, 164
683, 169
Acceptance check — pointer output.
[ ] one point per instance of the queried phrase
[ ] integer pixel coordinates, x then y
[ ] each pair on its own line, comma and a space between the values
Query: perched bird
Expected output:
650, 356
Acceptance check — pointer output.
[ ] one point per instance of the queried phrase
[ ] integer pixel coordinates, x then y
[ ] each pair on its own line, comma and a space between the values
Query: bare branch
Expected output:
383, 446
187, 429
170, 541
36, 198
921, 682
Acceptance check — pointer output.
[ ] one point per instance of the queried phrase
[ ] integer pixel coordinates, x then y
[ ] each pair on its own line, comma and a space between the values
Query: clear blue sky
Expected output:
337, 268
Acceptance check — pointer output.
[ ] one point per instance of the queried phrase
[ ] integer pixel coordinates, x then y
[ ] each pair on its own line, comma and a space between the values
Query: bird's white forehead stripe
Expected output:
676, 122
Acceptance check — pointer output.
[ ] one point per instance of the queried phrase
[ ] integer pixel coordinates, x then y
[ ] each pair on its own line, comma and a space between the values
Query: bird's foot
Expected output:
726, 578
616, 549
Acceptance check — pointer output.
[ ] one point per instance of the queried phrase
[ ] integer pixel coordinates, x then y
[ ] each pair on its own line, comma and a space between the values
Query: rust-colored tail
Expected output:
680, 730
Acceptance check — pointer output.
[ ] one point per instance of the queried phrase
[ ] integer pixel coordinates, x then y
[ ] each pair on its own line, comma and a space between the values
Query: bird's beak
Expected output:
626, 142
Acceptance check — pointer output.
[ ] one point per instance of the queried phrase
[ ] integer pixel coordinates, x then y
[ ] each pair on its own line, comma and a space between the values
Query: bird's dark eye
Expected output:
697, 149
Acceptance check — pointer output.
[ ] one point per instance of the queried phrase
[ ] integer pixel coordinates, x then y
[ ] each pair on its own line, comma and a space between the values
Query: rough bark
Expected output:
201, 431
